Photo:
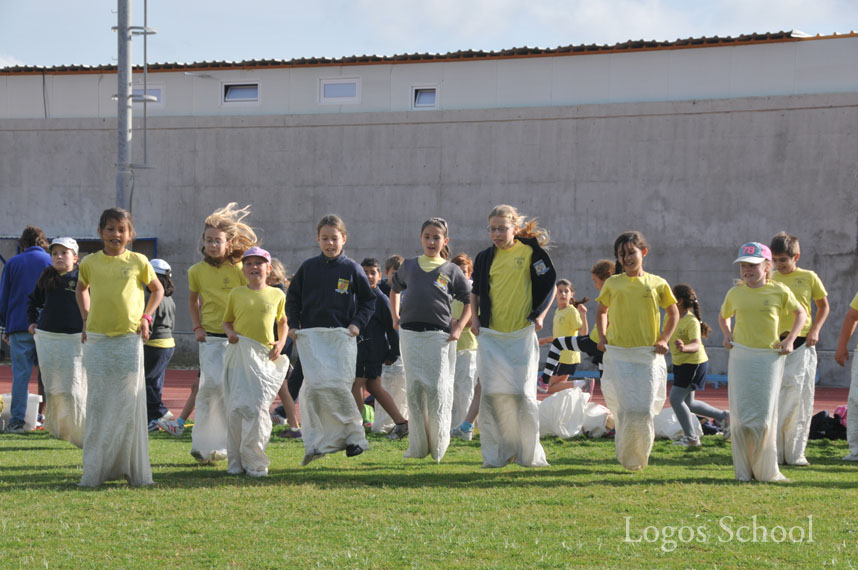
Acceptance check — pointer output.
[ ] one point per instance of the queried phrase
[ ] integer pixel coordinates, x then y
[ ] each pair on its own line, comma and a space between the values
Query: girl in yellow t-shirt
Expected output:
635, 373
756, 361
690, 364
224, 240
569, 321
110, 296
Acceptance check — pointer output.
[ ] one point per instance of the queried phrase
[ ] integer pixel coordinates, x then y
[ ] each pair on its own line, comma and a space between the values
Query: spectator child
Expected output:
159, 349
466, 357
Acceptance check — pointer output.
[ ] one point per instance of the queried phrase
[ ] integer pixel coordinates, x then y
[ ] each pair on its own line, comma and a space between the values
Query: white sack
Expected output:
596, 420
562, 414
392, 380
251, 382
754, 381
329, 416
508, 366
464, 382
61, 366
795, 405
668, 427
430, 360
116, 444
852, 415
208, 438
634, 386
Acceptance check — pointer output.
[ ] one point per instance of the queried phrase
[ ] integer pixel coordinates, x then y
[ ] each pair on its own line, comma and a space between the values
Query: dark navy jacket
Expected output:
378, 341
18, 281
329, 293
542, 278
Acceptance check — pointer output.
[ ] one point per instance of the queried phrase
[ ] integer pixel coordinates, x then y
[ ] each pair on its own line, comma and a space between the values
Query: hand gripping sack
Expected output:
464, 382
852, 418
754, 381
116, 444
634, 386
508, 365
562, 414
795, 405
392, 380
330, 419
251, 382
208, 438
61, 367
430, 361
668, 427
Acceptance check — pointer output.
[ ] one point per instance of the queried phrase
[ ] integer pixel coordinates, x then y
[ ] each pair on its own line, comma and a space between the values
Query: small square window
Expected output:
424, 97
240, 92
341, 91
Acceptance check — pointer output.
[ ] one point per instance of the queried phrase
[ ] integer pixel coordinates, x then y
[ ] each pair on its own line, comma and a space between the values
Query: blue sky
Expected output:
66, 32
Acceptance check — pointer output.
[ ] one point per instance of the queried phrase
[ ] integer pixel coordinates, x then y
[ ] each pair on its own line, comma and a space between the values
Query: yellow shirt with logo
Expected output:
687, 330
567, 321
510, 288
806, 286
214, 284
758, 312
635, 303
253, 313
467, 340
116, 293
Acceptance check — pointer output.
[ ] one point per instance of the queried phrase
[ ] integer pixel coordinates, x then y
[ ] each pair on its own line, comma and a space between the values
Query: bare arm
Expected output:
822, 311
841, 355
727, 329
195, 310
602, 326
670, 321
394, 308
231, 335
156, 291
460, 324
538, 321
585, 328
475, 318
81, 295
282, 331
786, 345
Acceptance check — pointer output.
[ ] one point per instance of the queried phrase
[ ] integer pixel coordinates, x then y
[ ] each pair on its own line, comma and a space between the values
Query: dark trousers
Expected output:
155, 361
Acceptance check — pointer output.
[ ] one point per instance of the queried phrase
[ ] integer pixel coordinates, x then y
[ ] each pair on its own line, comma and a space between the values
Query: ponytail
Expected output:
686, 296
49, 279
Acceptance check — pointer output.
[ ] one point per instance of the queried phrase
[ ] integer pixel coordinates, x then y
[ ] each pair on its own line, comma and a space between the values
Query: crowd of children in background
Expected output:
435, 343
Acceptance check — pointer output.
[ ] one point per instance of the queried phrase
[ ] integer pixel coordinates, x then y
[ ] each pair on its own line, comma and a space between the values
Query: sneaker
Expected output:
467, 435
277, 419
725, 427
541, 387
290, 433
172, 427
688, 441
40, 420
353, 449
16, 427
399, 431
153, 426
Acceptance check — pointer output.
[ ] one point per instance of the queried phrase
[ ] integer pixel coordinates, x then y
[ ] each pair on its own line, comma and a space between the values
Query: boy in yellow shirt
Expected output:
795, 402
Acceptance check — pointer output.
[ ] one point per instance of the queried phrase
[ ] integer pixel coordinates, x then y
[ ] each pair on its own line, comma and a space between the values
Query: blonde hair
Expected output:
769, 272
239, 236
526, 228
278, 273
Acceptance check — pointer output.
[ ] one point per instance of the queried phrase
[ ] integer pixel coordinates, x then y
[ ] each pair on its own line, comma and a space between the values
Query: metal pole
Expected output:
123, 105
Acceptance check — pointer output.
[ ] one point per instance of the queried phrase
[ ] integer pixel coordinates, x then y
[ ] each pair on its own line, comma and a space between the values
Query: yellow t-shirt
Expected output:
510, 288
567, 321
854, 303
634, 303
161, 342
253, 313
758, 312
116, 291
429, 264
594, 332
806, 286
467, 340
214, 284
687, 330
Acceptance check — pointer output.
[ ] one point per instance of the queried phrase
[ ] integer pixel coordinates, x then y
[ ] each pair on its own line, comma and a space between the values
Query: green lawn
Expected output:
381, 511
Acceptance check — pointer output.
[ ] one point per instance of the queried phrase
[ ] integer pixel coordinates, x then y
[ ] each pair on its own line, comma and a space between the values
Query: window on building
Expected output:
340, 91
240, 92
155, 93
424, 98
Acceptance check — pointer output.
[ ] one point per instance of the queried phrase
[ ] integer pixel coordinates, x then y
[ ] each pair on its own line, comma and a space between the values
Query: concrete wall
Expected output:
698, 178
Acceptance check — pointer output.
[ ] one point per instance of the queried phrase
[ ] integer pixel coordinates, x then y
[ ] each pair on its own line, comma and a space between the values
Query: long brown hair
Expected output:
687, 299
441, 224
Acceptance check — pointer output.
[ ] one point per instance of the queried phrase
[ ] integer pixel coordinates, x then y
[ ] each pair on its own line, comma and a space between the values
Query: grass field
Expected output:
381, 511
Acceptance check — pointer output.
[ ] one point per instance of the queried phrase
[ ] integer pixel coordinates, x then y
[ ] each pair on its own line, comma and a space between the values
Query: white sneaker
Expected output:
688, 441
173, 427
277, 419
462, 434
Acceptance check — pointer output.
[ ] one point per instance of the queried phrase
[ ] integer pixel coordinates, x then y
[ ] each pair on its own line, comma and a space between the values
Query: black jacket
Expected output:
542, 278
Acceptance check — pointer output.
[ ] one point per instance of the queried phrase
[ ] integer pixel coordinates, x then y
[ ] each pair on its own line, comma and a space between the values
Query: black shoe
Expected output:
353, 449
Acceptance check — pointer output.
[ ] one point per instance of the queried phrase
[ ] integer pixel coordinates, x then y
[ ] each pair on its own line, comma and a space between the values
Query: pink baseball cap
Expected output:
754, 252
258, 252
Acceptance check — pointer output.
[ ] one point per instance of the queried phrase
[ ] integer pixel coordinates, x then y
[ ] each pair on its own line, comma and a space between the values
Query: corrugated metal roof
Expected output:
465, 55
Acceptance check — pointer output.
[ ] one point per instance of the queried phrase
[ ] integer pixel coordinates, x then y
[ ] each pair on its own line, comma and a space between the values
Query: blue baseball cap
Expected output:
754, 252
